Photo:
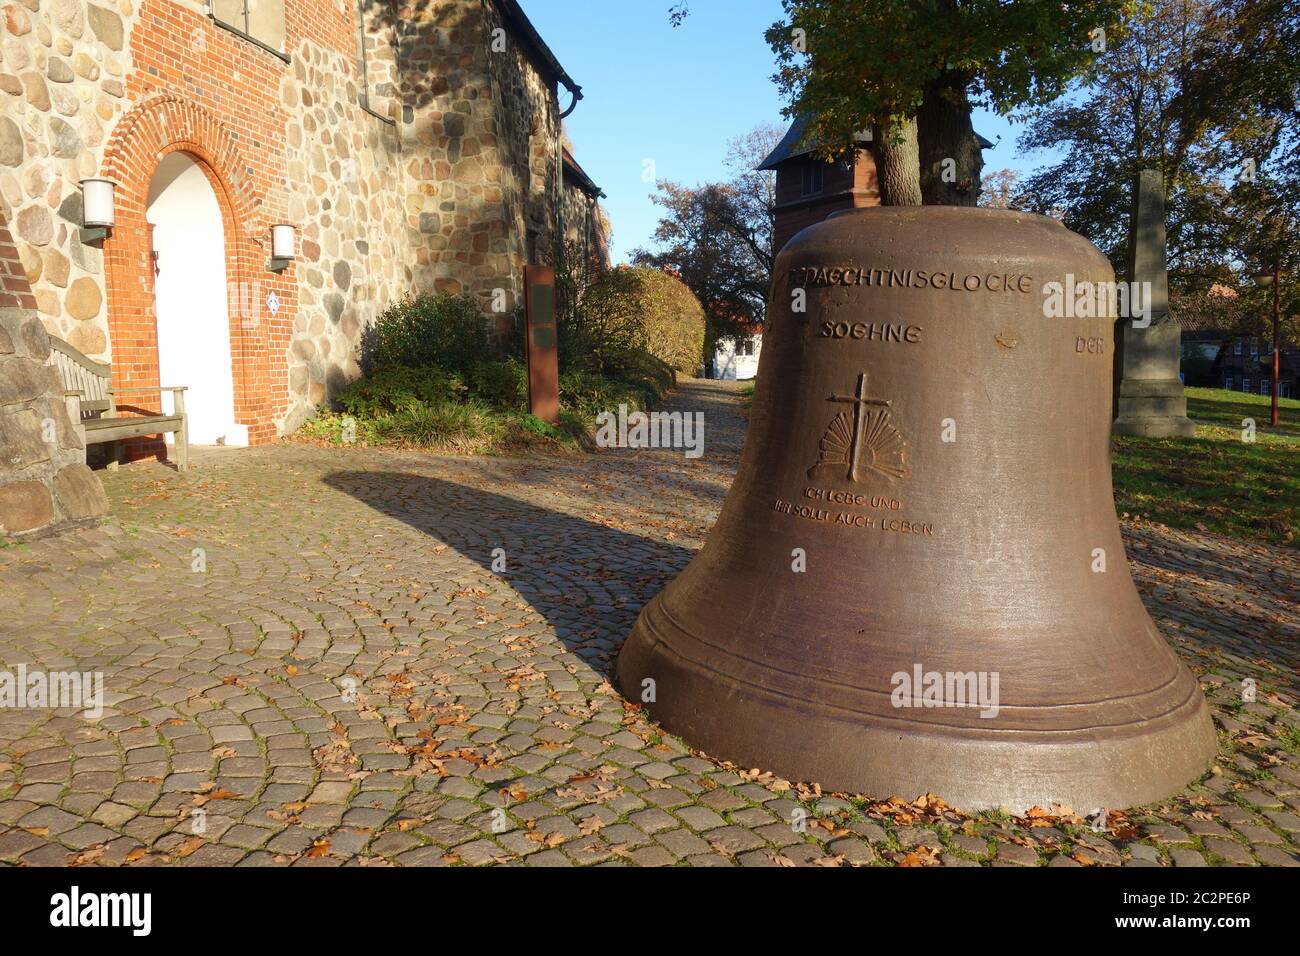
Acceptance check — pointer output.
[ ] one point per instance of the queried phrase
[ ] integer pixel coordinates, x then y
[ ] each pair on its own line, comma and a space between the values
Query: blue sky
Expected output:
674, 96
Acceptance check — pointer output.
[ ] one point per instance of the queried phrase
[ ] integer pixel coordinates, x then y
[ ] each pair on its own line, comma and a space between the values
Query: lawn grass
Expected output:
1216, 481
747, 395
449, 429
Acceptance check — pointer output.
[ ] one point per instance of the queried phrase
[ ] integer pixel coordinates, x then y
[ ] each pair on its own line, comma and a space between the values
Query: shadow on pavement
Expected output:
588, 580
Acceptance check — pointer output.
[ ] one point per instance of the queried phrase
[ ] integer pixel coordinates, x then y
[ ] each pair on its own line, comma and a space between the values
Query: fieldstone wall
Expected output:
44, 481
524, 100
62, 86
586, 233
456, 224
479, 140
352, 261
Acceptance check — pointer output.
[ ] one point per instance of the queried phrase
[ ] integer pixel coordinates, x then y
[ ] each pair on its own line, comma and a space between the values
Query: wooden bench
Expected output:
93, 407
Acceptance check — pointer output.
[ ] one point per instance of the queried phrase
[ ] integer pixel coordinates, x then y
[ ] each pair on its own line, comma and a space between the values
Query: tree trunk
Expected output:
950, 157
897, 164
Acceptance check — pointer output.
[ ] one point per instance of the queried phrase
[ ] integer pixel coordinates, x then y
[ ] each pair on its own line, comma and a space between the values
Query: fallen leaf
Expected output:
221, 793
89, 855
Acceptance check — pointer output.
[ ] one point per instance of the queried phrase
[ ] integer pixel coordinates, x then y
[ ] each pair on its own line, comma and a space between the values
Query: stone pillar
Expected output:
44, 481
1149, 397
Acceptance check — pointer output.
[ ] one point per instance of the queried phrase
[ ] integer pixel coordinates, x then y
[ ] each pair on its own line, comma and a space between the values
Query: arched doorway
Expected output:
190, 297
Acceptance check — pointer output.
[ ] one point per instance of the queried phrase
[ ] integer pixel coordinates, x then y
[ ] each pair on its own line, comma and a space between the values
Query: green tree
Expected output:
755, 193
1001, 189
1128, 112
908, 72
707, 238
645, 309
1242, 90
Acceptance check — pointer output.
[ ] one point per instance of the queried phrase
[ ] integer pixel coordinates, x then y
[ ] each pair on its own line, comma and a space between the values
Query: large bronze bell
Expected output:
917, 582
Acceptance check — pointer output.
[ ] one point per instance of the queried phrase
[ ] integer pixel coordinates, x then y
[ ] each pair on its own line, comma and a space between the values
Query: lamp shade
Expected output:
97, 203
282, 241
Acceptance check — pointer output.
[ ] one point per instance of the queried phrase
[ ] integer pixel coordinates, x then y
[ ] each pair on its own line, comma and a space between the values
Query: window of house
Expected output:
259, 20
1266, 387
1227, 382
1245, 385
1254, 348
1236, 347
812, 178
746, 346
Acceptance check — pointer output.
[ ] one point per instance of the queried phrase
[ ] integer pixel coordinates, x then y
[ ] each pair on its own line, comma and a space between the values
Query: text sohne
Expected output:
683, 430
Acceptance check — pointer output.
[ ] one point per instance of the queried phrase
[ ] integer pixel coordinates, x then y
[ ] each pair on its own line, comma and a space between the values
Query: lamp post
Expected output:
1274, 278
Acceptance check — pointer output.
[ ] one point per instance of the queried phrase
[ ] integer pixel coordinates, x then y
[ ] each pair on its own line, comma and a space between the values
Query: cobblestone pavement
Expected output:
483, 727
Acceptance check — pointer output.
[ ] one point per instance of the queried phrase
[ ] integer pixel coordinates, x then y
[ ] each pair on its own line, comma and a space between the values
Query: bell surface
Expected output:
917, 582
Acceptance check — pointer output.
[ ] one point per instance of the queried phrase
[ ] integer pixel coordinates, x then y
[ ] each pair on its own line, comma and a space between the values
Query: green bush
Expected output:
499, 384
651, 373
426, 425
625, 312
396, 388
430, 381
419, 331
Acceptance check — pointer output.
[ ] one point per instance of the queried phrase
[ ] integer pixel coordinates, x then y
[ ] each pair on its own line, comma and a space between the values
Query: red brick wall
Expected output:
836, 178
15, 291
842, 188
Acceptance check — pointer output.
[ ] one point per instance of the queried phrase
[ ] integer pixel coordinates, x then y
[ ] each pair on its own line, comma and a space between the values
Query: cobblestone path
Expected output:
310, 659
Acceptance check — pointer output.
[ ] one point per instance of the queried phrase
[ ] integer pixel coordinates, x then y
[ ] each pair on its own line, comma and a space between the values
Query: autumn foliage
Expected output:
646, 309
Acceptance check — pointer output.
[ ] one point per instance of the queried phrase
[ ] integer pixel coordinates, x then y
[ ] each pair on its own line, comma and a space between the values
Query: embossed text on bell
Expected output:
962, 620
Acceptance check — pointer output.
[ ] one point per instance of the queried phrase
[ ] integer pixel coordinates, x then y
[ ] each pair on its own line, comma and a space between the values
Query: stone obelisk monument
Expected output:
1149, 397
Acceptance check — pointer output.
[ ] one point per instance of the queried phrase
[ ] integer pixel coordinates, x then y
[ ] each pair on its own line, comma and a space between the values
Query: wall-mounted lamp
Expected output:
98, 214
283, 246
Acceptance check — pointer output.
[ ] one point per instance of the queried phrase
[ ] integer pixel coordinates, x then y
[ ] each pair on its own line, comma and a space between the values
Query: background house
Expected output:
738, 359
1217, 353
1245, 364
810, 189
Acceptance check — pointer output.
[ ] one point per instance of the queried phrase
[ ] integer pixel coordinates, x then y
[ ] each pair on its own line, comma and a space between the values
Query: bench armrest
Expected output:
178, 394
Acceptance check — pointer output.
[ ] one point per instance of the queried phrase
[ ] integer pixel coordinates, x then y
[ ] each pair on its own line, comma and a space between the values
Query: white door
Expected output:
191, 299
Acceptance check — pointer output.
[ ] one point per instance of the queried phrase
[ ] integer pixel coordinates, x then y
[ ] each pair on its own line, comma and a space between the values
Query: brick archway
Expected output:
145, 136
